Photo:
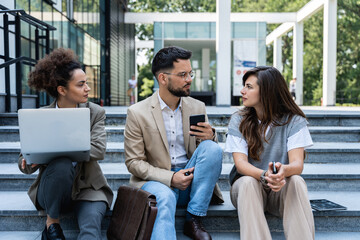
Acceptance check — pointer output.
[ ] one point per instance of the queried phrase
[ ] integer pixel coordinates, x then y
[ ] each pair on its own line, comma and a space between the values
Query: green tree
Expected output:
144, 76
146, 87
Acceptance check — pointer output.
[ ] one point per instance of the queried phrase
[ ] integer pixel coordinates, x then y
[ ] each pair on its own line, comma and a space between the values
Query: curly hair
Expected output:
55, 69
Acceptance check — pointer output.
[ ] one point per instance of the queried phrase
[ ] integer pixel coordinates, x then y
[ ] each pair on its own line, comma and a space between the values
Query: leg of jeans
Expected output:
164, 227
207, 160
249, 197
89, 216
54, 192
295, 208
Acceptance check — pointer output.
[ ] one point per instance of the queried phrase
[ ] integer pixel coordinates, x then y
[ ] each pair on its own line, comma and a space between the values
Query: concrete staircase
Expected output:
332, 171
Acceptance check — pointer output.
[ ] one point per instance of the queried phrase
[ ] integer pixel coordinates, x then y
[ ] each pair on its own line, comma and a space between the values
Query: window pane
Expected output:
198, 30
57, 32
175, 30
157, 30
244, 30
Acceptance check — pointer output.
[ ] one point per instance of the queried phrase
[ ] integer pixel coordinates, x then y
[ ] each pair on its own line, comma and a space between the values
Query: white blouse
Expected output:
301, 139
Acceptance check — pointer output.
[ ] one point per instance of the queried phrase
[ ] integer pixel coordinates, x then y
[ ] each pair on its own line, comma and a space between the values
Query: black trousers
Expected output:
54, 192
54, 195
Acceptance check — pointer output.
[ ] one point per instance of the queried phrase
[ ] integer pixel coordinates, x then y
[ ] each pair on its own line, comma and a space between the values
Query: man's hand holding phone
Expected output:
182, 179
199, 128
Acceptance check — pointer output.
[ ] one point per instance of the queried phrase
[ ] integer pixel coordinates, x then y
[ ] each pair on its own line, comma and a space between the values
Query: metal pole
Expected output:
7, 69
47, 52
18, 64
37, 57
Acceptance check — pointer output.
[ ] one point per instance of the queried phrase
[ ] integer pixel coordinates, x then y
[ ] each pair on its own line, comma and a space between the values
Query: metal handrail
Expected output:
28, 60
20, 15
27, 18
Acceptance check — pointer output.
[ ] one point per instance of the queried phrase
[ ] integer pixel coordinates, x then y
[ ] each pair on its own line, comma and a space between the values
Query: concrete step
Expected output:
113, 133
320, 152
72, 235
319, 177
116, 133
17, 212
219, 116
335, 133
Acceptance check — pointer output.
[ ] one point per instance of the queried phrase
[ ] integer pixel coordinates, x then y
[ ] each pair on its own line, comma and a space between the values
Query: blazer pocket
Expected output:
98, 183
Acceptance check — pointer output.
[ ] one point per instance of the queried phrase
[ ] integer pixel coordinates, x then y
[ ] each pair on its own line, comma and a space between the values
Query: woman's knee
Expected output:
91, 213
296, 182
246, 182
242, 187
60, 168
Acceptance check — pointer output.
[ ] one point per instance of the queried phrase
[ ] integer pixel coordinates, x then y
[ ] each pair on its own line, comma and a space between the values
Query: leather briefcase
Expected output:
133, 216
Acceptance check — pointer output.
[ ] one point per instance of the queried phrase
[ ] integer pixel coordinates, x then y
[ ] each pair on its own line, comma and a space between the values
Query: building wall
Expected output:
81, 26
122, 54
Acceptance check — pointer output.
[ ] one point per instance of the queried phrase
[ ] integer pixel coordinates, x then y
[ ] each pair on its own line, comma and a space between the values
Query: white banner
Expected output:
245, 58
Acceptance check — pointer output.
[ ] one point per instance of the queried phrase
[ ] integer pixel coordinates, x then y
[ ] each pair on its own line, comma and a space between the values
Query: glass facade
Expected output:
200, 37
78, 29
122, 55
93, 29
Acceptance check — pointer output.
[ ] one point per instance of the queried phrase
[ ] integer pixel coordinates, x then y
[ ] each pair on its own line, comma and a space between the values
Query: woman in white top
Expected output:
270, 128
131, 91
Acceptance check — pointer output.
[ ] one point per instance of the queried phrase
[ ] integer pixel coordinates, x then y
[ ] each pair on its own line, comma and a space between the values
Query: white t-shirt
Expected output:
298, 140
132, 83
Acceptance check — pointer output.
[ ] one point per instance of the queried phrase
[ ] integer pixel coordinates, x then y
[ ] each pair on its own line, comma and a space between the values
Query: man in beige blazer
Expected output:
179, 169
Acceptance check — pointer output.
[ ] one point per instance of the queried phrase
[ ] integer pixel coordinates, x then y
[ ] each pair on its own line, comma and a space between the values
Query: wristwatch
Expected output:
262, 179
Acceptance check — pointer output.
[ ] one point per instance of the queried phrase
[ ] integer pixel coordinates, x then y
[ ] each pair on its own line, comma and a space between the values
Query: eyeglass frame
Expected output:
182, 75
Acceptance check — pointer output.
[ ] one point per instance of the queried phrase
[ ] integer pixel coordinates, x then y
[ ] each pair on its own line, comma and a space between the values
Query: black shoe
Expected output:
54, 232
194, 229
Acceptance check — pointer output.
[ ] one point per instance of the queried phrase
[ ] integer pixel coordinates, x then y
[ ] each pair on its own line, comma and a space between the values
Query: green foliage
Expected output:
144, 76
146, 87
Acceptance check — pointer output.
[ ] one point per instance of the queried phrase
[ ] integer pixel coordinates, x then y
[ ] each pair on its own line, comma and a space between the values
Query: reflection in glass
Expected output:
175, 30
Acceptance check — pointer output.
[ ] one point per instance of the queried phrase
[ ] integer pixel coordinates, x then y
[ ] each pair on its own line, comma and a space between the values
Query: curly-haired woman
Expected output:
270, 128
63, 185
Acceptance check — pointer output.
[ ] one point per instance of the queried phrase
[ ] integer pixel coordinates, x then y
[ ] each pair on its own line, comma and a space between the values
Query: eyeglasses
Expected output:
184, 75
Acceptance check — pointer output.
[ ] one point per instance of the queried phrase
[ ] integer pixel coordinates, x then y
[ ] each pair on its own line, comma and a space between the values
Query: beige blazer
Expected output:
146, 147
89, 183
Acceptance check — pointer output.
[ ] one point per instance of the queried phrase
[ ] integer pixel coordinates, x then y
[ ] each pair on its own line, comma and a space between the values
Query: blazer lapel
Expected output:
157, 115
52, 105
185, 122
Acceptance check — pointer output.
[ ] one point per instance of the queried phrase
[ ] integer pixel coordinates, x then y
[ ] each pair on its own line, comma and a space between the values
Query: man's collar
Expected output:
164, 105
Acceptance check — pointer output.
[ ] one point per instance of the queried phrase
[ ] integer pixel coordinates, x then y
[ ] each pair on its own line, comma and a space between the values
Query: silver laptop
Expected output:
46, 134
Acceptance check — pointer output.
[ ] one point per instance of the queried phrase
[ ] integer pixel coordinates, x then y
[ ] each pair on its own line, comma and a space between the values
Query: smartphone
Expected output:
274, 168
194, 119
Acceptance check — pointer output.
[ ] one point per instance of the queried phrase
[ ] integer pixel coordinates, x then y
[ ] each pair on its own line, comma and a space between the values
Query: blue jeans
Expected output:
207, 160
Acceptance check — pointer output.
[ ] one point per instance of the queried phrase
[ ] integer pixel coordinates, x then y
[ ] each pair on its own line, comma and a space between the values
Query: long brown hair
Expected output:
276, 102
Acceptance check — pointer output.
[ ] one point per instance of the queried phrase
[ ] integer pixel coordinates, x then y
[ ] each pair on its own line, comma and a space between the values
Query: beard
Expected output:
180, 92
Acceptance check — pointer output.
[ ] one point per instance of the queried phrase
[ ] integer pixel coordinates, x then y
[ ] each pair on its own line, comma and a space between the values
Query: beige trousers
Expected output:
291, 203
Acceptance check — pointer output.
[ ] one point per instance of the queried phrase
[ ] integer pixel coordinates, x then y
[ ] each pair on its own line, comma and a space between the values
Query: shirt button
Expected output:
171, 115
173, 132
172, 145
172, 157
